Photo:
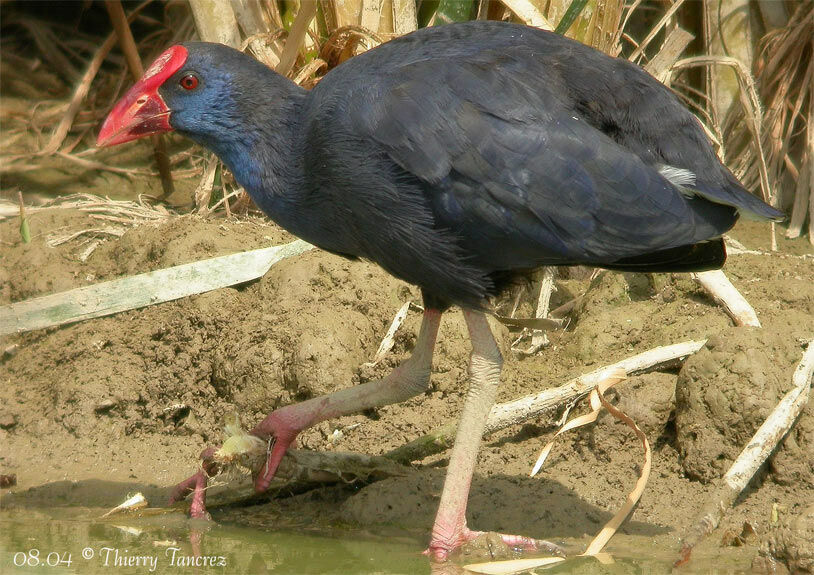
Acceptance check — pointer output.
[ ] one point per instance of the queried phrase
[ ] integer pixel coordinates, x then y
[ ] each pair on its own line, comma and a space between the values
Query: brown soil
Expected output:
131, 399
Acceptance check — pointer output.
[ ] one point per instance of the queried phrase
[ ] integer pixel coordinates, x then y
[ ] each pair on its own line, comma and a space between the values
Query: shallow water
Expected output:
76, 540
72, 541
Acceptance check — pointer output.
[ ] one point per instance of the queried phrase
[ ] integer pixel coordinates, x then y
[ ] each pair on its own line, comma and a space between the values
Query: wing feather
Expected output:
514, 169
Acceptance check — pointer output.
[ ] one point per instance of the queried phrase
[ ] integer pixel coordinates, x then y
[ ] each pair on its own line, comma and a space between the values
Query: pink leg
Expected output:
407, 380
450, 530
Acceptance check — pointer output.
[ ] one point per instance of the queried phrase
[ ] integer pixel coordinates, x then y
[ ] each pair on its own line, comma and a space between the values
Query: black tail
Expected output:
732, 193
709, 255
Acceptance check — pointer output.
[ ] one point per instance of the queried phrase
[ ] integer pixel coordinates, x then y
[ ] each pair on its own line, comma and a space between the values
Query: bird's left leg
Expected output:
450, 530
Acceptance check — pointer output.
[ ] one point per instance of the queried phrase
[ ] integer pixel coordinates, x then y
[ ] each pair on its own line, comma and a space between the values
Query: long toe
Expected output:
196, 484
485, 543
184, 488
266, 473
522, 543
282, 427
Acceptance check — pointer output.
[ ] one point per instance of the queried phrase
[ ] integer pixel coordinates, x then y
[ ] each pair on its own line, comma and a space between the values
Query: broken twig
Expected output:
387, 342
539, 339
727, 296
133, 503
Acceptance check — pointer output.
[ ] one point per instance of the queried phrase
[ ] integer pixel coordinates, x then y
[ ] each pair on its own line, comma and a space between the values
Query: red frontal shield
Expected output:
142, 111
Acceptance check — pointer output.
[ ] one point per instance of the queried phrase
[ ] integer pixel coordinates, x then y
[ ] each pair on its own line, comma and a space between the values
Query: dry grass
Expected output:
109, 219
85, 71
784, 72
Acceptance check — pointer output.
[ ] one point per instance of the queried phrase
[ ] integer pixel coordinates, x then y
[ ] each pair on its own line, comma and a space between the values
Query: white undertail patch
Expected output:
679, 177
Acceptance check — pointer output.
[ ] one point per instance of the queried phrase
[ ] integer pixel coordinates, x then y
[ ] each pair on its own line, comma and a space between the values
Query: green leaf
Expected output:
453, 11
574, 10
25, 233
288, 13
426, 10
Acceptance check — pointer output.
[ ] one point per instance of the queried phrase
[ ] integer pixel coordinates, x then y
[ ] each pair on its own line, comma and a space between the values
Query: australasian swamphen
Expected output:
454, 157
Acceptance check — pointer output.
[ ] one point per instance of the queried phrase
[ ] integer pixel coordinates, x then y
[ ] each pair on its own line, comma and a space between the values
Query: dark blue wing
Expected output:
476, 157
522, 179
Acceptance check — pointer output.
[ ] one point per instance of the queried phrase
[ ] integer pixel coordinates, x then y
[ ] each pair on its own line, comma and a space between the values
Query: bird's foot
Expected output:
196, 484
282, 428
442, 546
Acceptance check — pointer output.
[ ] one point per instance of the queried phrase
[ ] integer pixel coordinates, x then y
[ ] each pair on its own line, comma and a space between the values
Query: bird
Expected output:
456, 158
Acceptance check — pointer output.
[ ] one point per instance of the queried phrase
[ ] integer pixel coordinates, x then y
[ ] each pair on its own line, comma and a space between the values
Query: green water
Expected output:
71, 541
75, 540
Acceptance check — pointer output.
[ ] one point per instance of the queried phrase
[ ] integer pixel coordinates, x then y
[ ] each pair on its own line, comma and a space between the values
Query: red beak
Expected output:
142, 111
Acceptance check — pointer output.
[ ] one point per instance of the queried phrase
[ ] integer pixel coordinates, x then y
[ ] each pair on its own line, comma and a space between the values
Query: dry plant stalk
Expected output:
310, 70
735, 248
78, 98
674, 45
346, 42
371, 14
95, 205
757, 450
203, 192
298, 32
215, 22
547, 287
404, 17
750, 104
528, 13
639, 51
128, 45
265, 47
519, 410
606, 26
94, 165
539, 339
82, 89
388, 340
59, 239
804, 194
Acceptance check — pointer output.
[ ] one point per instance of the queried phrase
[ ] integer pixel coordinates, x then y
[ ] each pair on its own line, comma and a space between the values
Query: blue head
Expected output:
215, 95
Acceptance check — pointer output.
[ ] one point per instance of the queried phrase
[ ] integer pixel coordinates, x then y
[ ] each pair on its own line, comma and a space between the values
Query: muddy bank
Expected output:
93, 410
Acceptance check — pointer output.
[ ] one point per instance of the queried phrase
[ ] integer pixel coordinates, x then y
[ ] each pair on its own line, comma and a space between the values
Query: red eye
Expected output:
189, 82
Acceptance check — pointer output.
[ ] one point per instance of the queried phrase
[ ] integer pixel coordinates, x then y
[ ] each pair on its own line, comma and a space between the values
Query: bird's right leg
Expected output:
282, 425
407, 380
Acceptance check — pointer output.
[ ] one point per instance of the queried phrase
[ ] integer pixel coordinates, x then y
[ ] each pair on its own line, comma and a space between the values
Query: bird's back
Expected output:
488, 147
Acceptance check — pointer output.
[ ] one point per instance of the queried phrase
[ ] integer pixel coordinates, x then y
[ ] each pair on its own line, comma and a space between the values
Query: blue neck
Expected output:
266, 156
